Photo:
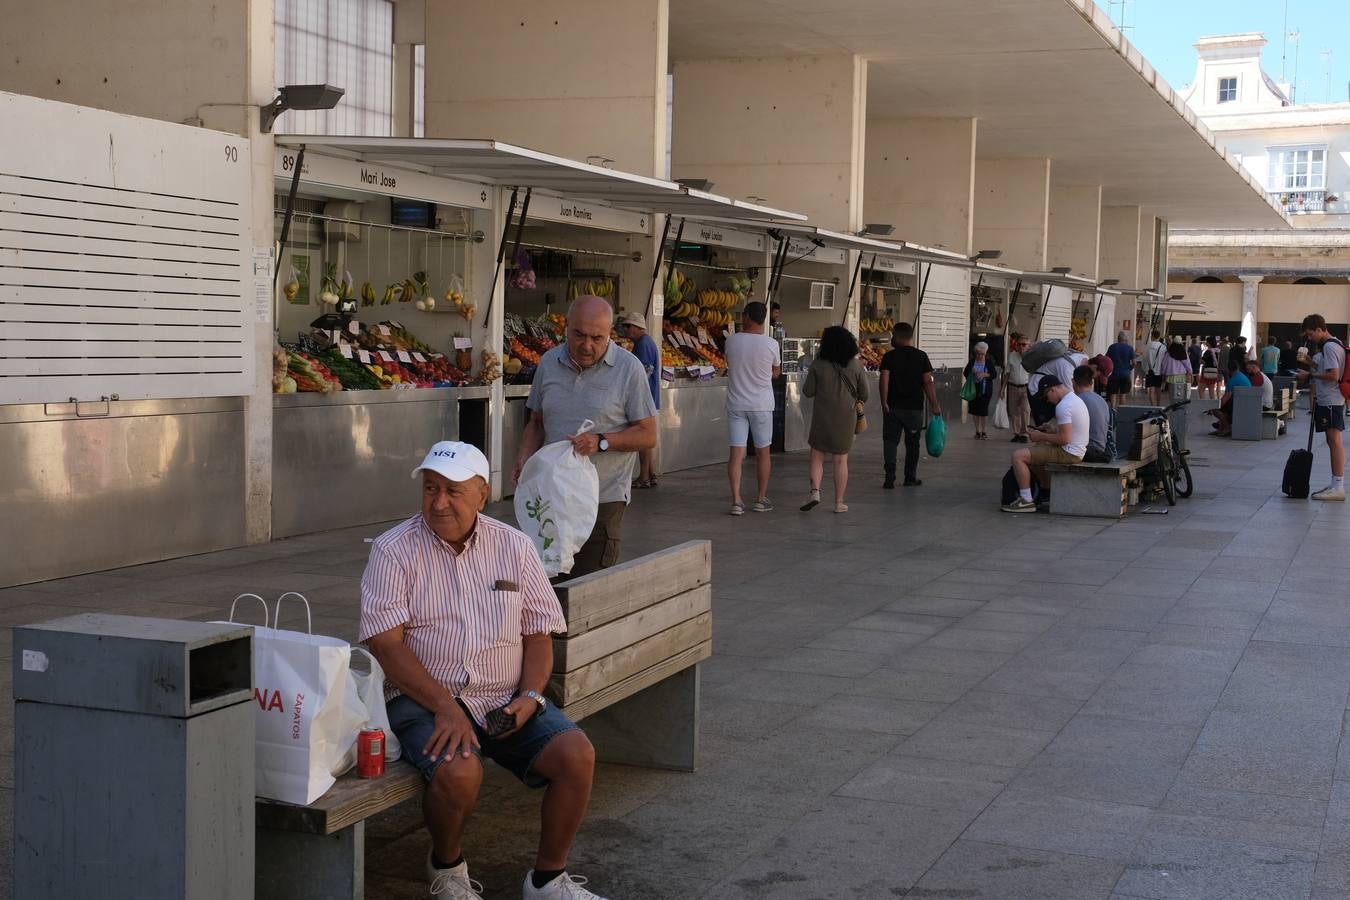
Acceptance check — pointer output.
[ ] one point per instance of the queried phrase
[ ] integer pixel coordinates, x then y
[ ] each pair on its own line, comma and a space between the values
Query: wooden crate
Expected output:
1146, 436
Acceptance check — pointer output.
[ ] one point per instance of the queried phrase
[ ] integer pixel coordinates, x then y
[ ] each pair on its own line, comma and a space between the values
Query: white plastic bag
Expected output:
557, 499
1000, 417
369, 687
306, 723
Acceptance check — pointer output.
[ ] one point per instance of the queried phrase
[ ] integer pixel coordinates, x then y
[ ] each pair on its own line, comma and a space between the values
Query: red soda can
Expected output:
370, 753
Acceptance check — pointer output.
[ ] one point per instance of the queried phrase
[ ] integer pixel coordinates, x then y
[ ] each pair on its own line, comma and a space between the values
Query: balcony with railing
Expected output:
1296, 202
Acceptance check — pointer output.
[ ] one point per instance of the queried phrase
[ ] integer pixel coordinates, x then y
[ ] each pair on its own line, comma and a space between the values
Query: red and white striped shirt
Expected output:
460, 617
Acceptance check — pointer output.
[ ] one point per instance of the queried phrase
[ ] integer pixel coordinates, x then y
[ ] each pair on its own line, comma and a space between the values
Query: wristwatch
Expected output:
604, 443
537, 698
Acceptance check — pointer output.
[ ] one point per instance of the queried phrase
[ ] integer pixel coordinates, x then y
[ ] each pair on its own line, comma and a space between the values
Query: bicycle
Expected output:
1172, 470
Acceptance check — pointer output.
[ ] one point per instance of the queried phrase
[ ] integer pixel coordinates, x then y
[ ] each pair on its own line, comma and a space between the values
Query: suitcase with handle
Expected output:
1298, 469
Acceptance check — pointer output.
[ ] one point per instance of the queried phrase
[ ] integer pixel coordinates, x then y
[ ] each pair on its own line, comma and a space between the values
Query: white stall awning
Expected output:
499, 164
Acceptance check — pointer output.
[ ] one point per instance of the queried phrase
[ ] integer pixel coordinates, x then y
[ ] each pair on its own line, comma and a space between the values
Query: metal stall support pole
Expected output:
1096, 314
286, 220
776, 275
918, 305
675, 250
852, 285
501, 254
1044, 306
656, 269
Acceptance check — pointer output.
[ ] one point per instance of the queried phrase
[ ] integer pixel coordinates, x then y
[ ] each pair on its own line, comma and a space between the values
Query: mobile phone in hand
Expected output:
499, 722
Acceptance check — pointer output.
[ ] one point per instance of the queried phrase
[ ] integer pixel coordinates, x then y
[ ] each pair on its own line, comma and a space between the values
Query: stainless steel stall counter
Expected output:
513, 428
345, 458
693, 422
98, 485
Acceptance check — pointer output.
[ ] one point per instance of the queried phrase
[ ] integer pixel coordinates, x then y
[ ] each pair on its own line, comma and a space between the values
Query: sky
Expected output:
1166, 30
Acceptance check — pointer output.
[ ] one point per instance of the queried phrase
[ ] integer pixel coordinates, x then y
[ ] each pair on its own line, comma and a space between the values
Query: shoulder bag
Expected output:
858, 406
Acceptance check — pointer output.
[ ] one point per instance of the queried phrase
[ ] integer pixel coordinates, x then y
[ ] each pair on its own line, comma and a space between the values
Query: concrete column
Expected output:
789, 130
585, 80
1251, 285
1074, 231
222, 59
1012, 210
1119, 256
409, 31
921, 178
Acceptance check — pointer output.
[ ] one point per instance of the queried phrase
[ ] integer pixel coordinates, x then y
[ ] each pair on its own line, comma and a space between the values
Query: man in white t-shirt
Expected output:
753, 361
1066, 444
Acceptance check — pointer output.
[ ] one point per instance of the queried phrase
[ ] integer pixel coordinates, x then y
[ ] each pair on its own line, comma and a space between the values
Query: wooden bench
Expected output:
1103, 489
627, 665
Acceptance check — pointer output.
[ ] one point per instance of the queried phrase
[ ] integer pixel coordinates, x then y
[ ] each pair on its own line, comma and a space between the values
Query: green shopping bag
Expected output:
937, 436
968, 390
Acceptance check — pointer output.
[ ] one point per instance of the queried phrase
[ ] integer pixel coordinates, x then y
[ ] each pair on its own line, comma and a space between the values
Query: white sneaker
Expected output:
453, 884
564, 887
1329, 493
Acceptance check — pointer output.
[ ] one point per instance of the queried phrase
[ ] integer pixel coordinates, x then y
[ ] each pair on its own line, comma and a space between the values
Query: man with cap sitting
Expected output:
1067, 443
458, 610
634, 327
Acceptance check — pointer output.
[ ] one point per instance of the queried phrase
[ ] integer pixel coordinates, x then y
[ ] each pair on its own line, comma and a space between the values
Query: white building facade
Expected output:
1263, 282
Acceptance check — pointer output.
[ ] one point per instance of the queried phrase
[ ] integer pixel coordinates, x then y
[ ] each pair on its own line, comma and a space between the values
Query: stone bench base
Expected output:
1093, 489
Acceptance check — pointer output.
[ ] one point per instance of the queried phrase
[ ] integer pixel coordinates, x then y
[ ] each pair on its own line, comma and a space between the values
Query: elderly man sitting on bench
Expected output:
1065, 444
459, 612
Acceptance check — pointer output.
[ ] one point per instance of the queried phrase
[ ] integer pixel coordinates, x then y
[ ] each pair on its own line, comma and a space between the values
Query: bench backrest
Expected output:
631, 626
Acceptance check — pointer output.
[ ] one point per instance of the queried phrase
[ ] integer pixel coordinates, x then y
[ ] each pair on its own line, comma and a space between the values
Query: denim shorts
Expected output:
413, 724
741, 425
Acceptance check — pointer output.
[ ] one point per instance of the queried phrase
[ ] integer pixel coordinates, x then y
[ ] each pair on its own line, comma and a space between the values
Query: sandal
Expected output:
738, 509
644, 484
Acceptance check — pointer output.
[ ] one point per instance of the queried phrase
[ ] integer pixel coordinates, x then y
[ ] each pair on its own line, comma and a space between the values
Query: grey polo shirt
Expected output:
613, 394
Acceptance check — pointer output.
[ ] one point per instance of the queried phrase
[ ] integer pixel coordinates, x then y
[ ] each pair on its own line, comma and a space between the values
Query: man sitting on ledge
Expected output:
459, 612
1065, 444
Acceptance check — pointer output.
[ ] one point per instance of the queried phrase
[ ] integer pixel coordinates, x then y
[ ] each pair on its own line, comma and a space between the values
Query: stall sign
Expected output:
549, 208
890, 264
808, 250
720, 236
380, 179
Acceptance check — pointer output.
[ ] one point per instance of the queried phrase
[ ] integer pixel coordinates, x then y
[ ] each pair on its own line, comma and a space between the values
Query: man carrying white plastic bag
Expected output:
589, 378
556, 501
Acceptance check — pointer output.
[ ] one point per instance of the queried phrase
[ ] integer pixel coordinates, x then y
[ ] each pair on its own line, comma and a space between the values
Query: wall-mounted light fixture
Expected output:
877, 229
298, 96
986, 254
1108, 282
1061, 270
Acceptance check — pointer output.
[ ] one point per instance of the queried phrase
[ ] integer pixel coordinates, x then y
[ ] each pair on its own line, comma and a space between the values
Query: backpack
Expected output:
1345, 369
1041, 352
1010, 494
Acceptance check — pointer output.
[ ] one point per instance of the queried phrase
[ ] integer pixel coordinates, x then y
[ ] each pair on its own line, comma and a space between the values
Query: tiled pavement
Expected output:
928, 698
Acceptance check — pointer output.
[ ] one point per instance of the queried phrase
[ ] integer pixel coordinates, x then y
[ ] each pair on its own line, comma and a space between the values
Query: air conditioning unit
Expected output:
342, 231
822, 295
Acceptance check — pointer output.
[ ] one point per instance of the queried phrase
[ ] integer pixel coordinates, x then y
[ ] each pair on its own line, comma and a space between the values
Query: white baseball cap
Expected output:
455, 460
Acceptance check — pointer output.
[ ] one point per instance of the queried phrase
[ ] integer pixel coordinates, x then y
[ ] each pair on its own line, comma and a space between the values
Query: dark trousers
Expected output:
908, 422
601, 549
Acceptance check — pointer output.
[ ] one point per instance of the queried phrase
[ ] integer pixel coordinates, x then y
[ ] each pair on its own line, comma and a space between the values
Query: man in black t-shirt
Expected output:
906, 380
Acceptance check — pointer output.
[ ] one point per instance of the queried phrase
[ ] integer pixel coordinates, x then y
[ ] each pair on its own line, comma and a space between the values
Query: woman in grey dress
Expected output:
837, 382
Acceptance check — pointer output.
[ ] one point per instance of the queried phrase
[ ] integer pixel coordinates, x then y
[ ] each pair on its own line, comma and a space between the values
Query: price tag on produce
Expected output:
419, 357
462, 343
379, 357
346, 350
403, 356
384, 329
363, 356
333, 336
354, 326
702, 335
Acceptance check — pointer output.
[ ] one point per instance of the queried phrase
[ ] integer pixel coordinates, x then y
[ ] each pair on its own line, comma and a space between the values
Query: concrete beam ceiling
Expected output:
1045, 78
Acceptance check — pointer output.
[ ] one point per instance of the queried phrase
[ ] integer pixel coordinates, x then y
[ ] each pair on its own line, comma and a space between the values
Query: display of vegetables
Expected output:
311, 375
353, 375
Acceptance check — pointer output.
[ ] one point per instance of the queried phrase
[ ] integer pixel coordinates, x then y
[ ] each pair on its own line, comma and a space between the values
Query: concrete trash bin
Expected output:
133, 758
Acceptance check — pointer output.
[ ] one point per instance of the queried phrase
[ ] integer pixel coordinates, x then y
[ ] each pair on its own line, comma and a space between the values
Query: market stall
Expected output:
714, 270
379, 349
555, 229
